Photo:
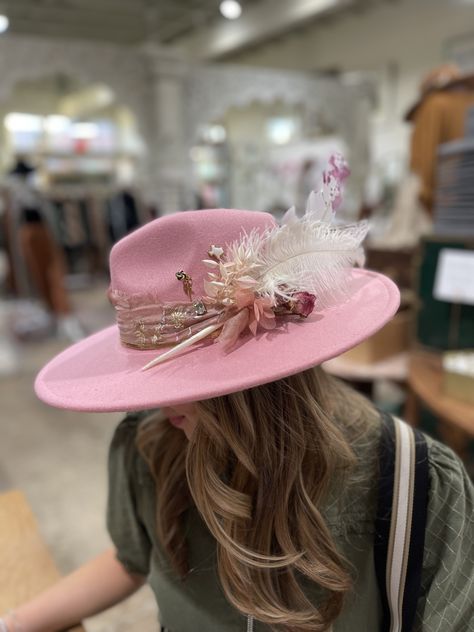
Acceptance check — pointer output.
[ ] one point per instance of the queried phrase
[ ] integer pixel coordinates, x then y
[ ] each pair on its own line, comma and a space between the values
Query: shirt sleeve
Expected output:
124, 524
447, 601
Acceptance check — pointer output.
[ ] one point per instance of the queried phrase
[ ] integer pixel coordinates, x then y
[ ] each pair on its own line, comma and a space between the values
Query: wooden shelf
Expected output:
425, 376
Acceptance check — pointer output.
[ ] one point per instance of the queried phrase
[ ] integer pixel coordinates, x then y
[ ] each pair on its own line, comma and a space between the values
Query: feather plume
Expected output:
309, 256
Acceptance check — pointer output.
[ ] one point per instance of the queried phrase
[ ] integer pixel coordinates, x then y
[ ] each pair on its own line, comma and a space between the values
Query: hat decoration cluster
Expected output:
257, 282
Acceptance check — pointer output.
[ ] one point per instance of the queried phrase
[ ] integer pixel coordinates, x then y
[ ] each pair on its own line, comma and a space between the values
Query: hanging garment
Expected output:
30, 233
73, 230
43, 261
71, 217
99, 239
122, 215
440, 118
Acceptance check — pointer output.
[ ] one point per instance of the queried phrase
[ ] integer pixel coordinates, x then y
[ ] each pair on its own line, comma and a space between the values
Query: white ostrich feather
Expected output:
309, 256
303, 255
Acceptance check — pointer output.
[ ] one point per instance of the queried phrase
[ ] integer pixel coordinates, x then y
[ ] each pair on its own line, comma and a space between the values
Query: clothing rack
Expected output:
85, 221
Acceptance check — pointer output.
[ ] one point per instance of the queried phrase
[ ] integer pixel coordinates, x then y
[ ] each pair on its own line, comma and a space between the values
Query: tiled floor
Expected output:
58, 458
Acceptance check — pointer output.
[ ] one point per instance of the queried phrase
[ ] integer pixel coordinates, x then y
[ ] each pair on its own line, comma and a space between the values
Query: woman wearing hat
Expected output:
264, 494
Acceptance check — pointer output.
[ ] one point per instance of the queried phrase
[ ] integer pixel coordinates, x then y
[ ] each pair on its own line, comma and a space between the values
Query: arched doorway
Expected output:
264, 135
75, 134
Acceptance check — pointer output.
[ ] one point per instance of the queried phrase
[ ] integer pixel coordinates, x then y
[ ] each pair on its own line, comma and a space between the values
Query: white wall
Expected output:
398, 42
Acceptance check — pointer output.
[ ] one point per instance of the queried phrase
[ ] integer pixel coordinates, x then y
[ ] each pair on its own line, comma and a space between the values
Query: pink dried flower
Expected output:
334, 178
260, 309
302, 303
262, 315
339, 167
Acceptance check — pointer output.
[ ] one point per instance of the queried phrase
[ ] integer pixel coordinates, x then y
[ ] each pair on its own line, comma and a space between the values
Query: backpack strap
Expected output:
400, 522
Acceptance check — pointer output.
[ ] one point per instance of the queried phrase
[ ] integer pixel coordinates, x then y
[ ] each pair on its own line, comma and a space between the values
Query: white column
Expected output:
167, 148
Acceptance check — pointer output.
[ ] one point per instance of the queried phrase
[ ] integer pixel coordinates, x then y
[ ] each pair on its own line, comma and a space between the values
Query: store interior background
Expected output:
121, 111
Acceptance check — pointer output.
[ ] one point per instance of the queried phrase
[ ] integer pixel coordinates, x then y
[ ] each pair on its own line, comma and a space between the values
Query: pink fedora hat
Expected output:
260, 307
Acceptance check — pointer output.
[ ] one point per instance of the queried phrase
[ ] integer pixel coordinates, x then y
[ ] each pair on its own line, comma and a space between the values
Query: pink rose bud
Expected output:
302, 303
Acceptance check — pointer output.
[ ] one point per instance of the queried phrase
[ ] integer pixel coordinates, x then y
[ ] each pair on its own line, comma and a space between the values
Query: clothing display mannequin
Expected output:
439, 116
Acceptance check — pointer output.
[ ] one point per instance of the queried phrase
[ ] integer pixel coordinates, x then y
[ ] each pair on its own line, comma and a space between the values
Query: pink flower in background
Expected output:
333, 179
339, 167
333, 190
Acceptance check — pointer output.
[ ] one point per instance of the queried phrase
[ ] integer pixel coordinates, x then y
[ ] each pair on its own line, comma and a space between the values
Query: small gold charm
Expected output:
215, 252
187, 283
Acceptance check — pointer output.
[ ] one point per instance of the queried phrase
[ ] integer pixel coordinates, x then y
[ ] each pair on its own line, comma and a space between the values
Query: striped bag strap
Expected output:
400, 523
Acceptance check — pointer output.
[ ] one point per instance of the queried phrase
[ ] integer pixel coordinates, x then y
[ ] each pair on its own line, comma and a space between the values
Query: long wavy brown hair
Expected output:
259, 467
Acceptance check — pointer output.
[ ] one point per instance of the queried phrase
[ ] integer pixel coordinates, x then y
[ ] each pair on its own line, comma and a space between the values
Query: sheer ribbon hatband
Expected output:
146, 323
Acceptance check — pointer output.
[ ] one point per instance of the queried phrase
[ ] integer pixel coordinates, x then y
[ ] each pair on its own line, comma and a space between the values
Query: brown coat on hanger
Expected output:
438, 117
45, 266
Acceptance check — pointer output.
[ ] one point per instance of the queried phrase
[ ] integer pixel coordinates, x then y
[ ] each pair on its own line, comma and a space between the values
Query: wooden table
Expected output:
26, 566
425, 386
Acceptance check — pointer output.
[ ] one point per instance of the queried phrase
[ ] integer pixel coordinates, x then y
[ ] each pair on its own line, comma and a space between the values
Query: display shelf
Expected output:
425, 376
392, 368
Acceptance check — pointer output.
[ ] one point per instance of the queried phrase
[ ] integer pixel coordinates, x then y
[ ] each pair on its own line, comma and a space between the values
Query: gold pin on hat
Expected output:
187, 283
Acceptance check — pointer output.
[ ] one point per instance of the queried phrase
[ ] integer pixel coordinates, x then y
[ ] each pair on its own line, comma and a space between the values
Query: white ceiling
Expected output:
120, 21
167, 21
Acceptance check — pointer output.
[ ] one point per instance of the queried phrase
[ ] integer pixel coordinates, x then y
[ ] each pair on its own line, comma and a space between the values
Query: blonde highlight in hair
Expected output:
259, 466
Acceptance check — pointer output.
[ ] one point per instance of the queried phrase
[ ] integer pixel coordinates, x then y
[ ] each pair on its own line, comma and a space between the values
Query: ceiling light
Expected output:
22, 122
56, 124
230, 9
85, 131
281, 130
4, 23
214, 134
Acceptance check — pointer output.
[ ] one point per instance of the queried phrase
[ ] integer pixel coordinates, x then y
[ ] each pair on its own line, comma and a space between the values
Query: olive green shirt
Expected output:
198, 604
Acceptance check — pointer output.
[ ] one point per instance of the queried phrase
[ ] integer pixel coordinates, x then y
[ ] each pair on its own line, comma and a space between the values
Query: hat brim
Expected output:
98, 374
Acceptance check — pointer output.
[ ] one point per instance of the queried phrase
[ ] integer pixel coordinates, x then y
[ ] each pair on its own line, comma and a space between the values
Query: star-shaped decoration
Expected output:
215, 252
